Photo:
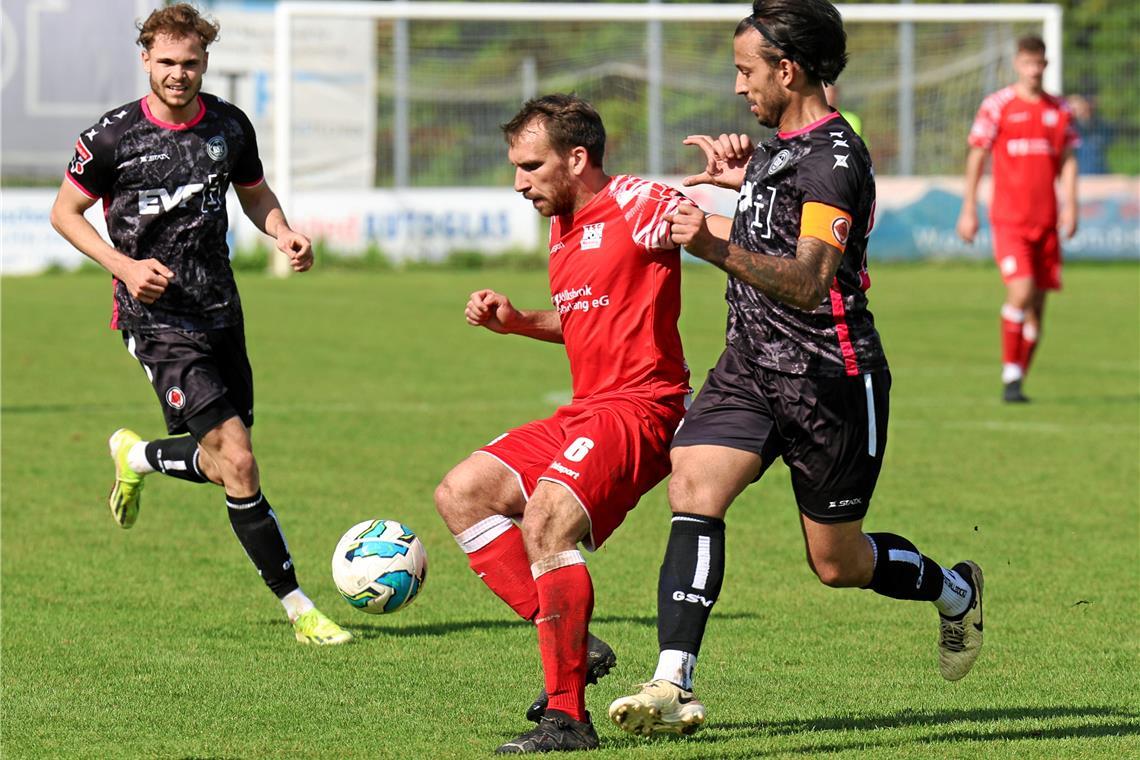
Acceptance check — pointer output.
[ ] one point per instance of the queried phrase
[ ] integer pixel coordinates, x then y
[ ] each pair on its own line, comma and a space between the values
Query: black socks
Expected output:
690, 580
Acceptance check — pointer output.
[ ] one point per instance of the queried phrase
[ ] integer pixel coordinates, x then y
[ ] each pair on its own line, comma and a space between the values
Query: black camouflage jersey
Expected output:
163, 188
825, 163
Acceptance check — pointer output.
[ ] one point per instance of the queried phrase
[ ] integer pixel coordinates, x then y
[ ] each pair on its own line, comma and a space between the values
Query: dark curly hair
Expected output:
178, 21
808, 32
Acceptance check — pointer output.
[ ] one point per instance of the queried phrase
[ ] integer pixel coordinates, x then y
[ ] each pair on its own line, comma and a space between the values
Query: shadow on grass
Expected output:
367, 629
946, 725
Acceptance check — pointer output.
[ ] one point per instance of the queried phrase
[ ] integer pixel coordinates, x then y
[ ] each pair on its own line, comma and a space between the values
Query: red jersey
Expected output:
1028, 140
615, 280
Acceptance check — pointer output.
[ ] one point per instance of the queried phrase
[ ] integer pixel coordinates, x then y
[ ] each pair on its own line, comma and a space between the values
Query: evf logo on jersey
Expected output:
158, 201
592, 236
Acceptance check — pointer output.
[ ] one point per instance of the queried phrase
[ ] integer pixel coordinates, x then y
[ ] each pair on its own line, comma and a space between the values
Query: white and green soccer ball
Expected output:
379, 566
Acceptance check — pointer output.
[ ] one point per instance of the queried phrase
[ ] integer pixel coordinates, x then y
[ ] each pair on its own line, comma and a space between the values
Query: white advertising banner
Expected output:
28, 243
424, 225
916, 217
915, 220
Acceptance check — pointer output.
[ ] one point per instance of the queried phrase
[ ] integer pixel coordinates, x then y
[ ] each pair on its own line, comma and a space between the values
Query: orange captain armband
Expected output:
829, 224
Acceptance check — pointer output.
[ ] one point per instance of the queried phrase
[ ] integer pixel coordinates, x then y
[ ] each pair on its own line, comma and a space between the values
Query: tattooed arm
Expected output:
802, 281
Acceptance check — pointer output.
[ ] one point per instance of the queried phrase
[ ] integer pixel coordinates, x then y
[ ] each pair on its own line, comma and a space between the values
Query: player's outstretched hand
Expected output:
689, 229
486, 308
968, 225
146, 280
297, 247
725, 159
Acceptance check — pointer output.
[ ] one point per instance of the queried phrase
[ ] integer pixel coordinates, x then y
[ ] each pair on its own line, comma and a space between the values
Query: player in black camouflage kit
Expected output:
161, 166
803, 375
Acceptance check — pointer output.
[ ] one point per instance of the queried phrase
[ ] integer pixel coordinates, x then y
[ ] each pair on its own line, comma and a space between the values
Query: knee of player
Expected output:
552, 525
448, 496
460, 489
242, 463
685, 492
834, 572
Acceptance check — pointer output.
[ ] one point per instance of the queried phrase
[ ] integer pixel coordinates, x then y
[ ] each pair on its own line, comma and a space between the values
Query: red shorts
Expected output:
1033, 252
606, 453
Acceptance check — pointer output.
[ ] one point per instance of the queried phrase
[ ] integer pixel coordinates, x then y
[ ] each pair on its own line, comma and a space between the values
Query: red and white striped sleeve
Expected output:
645, 205
985, 129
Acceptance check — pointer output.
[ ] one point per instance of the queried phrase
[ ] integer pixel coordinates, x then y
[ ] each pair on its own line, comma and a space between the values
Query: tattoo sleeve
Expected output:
801, 281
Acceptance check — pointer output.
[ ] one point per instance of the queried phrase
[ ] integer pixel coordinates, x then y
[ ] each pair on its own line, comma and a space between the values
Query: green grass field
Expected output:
162, 642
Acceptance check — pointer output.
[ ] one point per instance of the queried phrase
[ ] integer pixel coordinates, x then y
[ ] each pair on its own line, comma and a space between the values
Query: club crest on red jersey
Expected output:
592, 236
175, 398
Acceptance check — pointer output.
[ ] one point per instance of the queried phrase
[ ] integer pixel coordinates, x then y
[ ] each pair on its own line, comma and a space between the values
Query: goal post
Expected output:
451, 72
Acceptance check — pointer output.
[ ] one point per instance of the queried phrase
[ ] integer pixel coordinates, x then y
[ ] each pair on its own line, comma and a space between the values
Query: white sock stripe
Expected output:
483, 532
195, 465
902, 555
683, 518
1029, 333
555, 561
701, 573
260, 498
874, 551
1013, 314
280, 532
872, 426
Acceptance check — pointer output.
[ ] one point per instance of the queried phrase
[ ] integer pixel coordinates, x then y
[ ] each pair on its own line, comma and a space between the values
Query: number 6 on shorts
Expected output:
578, 450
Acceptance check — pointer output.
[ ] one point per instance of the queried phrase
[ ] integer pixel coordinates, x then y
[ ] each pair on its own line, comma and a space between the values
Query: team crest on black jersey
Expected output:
780, 161
216, 148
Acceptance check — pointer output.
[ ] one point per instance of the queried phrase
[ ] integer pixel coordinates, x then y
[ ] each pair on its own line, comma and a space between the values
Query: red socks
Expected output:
1028, 346
565, 602
555, 592
501, 562
1012, 323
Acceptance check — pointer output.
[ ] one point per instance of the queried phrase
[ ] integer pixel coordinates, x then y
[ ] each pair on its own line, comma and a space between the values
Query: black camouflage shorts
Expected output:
201, 378
830, 431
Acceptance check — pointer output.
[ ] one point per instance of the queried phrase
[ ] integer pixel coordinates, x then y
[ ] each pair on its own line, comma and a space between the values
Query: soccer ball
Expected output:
379, 566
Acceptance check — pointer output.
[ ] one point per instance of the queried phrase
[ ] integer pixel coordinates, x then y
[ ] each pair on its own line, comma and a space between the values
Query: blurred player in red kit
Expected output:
1032, 136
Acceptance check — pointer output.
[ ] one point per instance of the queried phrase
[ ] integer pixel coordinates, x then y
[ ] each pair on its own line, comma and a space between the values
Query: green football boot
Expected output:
313, 627
126, 492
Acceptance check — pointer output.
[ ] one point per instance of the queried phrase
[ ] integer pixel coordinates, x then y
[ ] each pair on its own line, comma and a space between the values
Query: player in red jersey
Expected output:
615, 291
1032, 136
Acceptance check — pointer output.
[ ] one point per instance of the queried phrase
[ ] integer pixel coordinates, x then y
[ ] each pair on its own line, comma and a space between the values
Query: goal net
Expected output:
437, 80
